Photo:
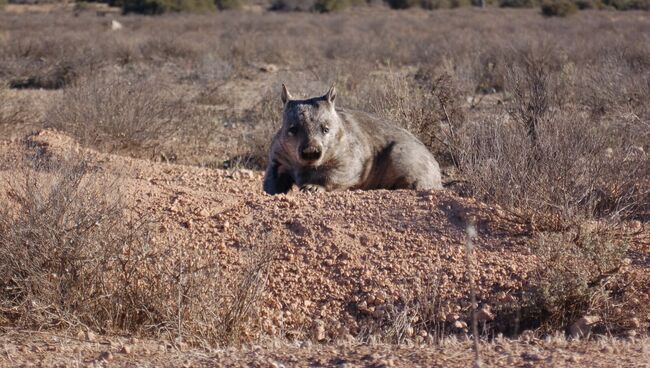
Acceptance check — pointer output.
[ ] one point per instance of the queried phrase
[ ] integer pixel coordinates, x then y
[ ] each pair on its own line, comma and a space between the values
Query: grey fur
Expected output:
357, 151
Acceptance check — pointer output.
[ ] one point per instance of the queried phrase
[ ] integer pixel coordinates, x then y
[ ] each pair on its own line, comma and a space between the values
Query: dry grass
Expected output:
117, 114
580, 273
75, 257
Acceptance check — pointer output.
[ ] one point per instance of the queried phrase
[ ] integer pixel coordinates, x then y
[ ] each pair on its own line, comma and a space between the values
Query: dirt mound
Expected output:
341, 259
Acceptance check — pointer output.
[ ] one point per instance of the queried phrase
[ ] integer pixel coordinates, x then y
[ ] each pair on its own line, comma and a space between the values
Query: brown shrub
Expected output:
580, 273
558, 8
75, 257
116, 114
550, 159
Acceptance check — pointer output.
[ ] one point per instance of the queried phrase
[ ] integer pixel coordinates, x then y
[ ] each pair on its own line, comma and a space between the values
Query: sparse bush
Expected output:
576, 277
444, 4
230, 4
428, 104
459, 3
117, 114
265, 119
325, 6
53, 240
589, 4
518, 3
293, 5
321, 6
628, 4
554, 167
559, 8
152, 7
403, 4
435, 4
74, 256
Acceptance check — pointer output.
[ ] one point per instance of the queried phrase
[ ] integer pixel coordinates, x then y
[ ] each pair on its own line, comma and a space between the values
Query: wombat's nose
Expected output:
311, 153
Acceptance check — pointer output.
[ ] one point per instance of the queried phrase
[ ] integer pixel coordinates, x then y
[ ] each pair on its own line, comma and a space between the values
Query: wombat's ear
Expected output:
286, 96
330, 96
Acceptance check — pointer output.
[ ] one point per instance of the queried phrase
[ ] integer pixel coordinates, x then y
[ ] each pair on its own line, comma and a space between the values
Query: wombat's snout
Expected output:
311, 153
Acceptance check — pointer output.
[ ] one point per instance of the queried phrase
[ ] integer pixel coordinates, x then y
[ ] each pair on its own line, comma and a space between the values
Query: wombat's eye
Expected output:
293, 130
325, 129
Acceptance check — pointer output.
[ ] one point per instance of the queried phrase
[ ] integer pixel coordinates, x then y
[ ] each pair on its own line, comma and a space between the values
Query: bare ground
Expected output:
20, 348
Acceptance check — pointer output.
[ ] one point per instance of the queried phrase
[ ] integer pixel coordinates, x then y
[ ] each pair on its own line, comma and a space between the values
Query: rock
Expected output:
269, 68
318, 332
9, 349
460, 325
452, 317
582, 327
409, 331
635, 323
204, 212
527, 335
115, 25
607, 349
531, 356
90, 336
106, 355
484, 314
574, 358
126, 349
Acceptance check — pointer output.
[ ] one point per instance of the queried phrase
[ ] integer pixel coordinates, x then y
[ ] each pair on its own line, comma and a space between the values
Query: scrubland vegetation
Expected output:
547, 118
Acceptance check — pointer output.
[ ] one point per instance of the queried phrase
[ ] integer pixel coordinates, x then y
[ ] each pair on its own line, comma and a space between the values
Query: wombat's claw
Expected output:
311, 188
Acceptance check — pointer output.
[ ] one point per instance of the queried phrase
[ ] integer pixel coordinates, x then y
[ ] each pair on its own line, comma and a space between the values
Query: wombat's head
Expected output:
310, 128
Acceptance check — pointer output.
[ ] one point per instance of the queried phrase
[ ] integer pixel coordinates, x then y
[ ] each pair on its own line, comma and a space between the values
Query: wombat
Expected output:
324, 148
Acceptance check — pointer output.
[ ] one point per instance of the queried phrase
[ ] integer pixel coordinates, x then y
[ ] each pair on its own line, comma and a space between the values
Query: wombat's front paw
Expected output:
312, 188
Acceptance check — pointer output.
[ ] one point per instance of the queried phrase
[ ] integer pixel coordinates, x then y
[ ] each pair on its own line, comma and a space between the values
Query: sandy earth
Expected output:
341, 259
24, 349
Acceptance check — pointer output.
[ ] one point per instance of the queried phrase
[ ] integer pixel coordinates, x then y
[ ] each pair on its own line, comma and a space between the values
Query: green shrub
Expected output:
326, 6
568, 283
403, 4
322, 6
589, 4
628, 4
163, 6
293, 5
436, 4
445, 4
518, 3
559, 8
230, 4
460, 3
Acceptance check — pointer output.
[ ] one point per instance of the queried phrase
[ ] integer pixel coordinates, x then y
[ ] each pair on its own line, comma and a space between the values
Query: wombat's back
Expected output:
397, 159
